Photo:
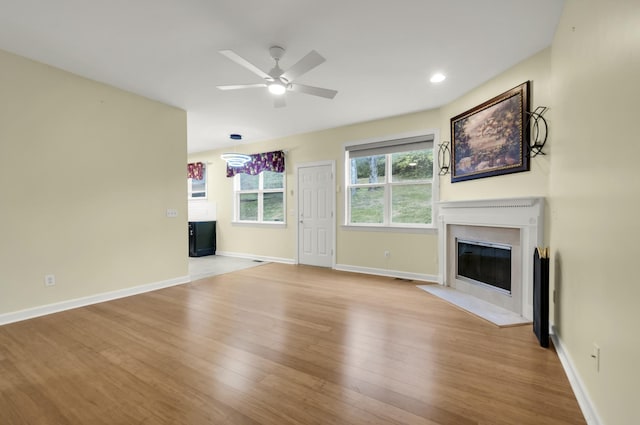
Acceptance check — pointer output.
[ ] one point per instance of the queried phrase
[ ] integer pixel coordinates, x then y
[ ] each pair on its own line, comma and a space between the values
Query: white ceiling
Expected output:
380, 53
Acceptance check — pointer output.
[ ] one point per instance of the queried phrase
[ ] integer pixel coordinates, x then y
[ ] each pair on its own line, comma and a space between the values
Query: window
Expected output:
390, 183
259, 198
197, 187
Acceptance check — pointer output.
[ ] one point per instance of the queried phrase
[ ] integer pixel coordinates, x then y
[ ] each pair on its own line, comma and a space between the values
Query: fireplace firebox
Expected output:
485, 263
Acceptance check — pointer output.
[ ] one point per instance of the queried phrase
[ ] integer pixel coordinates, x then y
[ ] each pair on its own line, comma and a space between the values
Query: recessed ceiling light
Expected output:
438, 77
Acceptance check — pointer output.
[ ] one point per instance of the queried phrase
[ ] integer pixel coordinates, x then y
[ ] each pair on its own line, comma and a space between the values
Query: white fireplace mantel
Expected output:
526, 214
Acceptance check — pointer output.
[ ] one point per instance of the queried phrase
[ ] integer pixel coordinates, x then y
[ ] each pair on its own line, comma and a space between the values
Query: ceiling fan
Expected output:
279, 81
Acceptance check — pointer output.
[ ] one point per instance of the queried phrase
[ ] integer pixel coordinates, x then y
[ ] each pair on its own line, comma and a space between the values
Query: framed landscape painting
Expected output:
492, 138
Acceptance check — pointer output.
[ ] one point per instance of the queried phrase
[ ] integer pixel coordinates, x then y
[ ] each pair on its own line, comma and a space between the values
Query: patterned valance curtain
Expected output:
267, 161
194, 170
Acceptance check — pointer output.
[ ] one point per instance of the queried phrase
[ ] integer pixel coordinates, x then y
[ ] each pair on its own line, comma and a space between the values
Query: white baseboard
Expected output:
256, 257
386, 272
43, 310
341, 267
579, 390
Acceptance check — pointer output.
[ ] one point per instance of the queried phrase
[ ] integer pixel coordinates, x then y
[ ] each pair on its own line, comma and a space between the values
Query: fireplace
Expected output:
486, 249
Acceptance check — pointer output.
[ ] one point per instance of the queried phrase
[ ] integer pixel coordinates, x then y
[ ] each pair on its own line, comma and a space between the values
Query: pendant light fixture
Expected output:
235, 159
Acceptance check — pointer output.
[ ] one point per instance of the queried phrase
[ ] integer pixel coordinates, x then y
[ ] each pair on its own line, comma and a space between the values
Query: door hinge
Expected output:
331, 214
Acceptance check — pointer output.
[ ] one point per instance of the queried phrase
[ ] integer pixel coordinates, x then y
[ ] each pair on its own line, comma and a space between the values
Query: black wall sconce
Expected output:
444, 158
539, 130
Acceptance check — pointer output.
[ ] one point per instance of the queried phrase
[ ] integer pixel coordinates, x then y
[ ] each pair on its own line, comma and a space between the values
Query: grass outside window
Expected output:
260, 198
394, 189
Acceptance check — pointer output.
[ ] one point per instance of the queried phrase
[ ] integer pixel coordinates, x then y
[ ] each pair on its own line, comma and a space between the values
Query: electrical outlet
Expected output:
387, 254
595, 355
49, 280
172, 212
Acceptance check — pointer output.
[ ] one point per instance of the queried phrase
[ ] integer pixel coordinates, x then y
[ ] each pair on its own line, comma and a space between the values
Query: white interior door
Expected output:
316, 220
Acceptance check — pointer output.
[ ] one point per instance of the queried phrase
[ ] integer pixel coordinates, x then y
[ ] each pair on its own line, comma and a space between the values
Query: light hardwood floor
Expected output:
279, 344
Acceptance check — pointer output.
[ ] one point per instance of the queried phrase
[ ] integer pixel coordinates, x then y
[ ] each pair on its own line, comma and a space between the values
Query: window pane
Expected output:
198, 185
198, 188
249, 182
368, 169
248, 206
411, 204
367, 205
411, 166
273, 205
272, 180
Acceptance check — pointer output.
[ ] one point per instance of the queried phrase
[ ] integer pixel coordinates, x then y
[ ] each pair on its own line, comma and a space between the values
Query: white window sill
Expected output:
390, 229
277, 225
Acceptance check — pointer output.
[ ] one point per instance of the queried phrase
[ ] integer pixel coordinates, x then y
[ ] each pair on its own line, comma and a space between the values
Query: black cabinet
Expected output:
202, 238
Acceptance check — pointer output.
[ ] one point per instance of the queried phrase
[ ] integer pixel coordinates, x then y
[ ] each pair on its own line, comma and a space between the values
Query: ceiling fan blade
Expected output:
316, 91
241, 86
279, 101
245, 63
304, 65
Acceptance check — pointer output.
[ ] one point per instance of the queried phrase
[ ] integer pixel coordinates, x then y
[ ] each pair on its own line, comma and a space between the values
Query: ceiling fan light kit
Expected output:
277, 88
234, 159
278, 81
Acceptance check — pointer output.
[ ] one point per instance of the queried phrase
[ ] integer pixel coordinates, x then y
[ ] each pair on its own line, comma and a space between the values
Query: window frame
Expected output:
388, 144
260, 191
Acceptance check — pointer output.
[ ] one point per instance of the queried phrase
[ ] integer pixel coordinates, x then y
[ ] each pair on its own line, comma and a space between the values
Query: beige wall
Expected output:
410, 253
534, 183
86, 175
595, 197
